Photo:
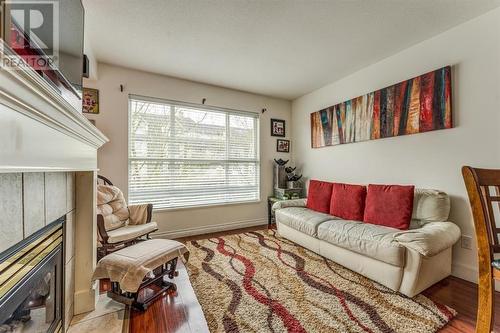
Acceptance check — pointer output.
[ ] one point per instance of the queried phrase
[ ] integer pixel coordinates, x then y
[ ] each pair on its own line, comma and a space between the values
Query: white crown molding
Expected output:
25, 91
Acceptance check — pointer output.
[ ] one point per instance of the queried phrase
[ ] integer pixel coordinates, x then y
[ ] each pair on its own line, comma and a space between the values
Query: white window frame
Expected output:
207, 107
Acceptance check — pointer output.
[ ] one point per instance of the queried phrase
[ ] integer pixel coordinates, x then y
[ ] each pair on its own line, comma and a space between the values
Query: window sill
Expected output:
252, 202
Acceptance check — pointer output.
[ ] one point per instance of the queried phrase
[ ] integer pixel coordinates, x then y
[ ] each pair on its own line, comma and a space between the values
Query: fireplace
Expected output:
48, 168
32, 282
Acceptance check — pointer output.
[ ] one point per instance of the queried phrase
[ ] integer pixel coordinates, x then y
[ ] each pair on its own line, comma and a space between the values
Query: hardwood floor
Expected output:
462, 296
175, 312
181, 312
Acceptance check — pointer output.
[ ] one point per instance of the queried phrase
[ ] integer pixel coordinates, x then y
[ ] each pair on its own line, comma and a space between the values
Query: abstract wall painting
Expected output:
417, 105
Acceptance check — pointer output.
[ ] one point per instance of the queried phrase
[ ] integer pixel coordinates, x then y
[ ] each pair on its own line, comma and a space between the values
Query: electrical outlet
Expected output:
466, 242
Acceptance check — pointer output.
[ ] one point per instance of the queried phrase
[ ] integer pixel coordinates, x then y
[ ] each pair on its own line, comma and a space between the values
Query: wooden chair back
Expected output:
103, 180
483, 188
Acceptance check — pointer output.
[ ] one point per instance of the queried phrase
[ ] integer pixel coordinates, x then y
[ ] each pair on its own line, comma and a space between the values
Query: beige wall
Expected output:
430, 160
112, 157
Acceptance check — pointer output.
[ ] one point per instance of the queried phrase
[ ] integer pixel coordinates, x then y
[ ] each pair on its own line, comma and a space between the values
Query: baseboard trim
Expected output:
209, 229
464, 272
468, 273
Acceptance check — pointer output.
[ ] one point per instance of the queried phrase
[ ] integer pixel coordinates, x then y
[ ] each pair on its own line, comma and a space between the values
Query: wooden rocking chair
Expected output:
118, 224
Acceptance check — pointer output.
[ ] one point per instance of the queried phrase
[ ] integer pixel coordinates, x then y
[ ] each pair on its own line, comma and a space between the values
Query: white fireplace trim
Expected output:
41, 132
26, 92
96, 139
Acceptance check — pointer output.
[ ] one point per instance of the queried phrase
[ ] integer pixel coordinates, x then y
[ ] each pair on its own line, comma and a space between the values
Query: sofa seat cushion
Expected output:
368, 239
130, 232
302, 219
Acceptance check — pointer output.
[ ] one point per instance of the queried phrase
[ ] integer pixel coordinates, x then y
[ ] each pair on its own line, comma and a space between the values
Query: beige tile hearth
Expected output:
108, 317
108, 323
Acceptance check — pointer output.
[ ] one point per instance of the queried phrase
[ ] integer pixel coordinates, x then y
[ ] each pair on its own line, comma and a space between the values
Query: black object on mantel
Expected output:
280, 162
286, 185
86, 67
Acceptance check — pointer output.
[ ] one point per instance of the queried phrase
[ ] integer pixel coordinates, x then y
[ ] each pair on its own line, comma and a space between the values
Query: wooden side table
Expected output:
270, 203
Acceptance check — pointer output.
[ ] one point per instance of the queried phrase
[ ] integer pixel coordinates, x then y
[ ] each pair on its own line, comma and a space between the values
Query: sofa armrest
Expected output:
140, 214
431, 239
289, 203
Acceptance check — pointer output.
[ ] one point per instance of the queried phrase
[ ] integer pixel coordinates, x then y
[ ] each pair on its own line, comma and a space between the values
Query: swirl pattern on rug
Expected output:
259, 282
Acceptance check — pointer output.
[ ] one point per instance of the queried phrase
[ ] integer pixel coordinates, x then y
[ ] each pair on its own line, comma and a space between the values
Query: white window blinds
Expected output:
183, 155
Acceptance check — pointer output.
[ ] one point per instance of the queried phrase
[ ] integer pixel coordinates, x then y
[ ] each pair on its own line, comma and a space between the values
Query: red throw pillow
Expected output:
318, 196
389, 205
348, 201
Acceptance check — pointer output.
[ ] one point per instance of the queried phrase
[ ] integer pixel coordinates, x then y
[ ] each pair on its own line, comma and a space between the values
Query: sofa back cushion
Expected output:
348, 201
430, 206
389, 205
319, 195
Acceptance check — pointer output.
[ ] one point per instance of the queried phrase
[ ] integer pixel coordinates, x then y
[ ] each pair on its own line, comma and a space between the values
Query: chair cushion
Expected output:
348, 201
129, 265
138, 214
389, 205
371, 240
319, 195
130, 232
430, 206
112, 206
302, 219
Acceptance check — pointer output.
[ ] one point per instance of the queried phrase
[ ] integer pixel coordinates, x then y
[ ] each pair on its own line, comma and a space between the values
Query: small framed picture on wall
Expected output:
282, 146
277, 127
90, 101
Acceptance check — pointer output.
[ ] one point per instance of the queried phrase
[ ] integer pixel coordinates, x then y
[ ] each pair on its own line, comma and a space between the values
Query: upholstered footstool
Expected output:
141, 266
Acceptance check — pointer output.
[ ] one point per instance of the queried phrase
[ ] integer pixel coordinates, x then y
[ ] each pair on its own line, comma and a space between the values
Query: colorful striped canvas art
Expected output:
417, 105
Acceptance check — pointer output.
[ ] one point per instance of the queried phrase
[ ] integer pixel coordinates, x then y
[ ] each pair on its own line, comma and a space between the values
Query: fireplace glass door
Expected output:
31, 283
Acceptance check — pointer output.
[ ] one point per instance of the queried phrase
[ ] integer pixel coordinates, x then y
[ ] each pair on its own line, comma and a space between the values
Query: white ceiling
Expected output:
282, 48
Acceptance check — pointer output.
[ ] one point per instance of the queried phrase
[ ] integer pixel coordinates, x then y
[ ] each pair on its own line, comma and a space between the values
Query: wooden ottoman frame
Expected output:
132, 299
141, 266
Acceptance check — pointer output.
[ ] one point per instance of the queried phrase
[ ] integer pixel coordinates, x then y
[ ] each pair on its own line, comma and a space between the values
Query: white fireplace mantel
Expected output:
41, 132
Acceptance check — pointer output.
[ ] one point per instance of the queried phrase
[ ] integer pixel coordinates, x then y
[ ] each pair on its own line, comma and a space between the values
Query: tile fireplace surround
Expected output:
48, 169
30, 201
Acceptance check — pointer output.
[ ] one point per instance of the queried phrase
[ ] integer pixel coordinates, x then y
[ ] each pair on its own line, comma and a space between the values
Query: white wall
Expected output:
112, 157
429, 160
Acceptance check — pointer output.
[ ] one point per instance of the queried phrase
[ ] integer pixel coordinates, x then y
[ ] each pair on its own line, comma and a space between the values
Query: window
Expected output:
183, 155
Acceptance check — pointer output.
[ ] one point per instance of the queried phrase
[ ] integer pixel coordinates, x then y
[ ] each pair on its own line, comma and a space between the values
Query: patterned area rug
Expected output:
259, 282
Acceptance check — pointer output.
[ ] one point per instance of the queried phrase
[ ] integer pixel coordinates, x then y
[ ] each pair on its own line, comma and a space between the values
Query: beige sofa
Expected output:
406, 261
